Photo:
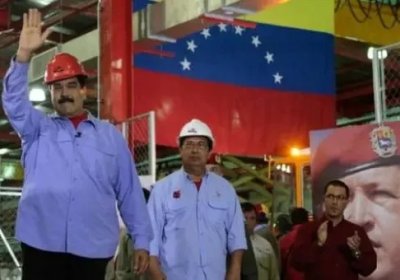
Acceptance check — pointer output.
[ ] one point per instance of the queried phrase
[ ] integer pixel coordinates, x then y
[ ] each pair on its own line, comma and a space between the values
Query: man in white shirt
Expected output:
267, 262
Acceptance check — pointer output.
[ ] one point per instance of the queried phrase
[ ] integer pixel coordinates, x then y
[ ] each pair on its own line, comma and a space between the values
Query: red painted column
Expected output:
116, 59
4, 17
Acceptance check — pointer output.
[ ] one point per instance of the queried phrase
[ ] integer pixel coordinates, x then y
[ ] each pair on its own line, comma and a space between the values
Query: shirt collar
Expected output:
187, 175
90, 118
324, 218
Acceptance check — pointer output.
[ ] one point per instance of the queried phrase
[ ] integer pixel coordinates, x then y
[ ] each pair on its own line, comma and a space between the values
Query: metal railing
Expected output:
139, 131
10, 249
386, 81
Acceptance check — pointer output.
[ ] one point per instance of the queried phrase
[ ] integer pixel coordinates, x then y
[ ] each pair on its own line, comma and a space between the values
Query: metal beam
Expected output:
355, 92
62, 15
9, 137
351, 49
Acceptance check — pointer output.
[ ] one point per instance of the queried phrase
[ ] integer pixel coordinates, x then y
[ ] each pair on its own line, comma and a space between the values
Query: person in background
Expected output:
249, 269
333, 248
298, 216
282, 225
196, 216
267, 263
122, 267
76, 168
264, 231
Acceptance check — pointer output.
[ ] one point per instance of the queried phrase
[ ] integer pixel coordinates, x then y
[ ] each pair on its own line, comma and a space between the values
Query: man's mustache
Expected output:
64, 99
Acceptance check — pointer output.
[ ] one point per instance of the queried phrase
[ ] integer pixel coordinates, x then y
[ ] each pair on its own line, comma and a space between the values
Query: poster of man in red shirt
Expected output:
367, 159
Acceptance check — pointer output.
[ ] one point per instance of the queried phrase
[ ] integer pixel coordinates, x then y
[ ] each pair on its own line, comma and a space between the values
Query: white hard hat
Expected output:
196, 128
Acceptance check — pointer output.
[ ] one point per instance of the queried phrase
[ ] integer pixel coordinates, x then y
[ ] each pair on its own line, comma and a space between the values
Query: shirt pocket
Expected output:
176, 232
217, 211
177, 213
51, 143
101, 165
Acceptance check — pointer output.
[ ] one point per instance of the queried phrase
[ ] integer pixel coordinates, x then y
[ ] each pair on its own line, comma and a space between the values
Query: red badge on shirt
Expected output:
176, 194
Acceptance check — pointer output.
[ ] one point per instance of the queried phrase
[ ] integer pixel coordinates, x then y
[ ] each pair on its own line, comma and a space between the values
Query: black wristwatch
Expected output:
357, 254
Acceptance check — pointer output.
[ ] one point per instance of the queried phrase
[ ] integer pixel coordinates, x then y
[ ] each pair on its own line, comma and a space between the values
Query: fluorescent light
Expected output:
162, 38
230, 10
382, 54
219, 17
37, 95
8, 171
4, 151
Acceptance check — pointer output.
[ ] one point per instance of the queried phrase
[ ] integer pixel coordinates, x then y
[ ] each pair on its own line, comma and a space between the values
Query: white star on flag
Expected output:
191, 46
185, 64
222, 27
206, 33
255, 41
239, 30
277, 78
269, 57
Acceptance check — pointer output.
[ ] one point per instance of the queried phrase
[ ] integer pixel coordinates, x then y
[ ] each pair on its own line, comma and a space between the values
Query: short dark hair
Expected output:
82, 80
283, 223
209, 142
299, 215
248, 207
337, 183
262, 218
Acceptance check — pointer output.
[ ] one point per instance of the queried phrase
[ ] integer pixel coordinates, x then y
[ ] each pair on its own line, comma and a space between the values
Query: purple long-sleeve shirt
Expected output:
71, 184
334, 260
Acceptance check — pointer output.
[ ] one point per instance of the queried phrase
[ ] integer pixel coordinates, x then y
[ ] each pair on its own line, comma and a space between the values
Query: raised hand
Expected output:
354, 241
31, 37
322, 233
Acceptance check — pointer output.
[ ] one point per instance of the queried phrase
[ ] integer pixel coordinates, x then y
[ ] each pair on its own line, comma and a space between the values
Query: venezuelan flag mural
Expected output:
260, 89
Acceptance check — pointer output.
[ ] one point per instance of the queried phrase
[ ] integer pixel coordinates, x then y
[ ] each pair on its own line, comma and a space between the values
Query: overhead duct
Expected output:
85, 48
162, 21
174, 19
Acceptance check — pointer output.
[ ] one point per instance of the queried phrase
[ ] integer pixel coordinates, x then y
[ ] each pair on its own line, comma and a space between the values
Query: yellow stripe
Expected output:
370, 31
315, 15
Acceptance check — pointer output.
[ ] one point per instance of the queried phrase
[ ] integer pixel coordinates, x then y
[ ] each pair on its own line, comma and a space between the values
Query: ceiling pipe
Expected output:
53, 20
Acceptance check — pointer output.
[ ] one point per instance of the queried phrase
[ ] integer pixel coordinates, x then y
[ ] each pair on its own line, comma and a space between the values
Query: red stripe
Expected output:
244, 121
234, 21
156, 52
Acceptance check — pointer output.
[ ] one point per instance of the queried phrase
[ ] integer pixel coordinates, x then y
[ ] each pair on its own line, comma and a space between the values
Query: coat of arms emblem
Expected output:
383, 140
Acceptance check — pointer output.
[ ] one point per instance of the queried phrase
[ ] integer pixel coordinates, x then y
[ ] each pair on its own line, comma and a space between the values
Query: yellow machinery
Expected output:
297, 167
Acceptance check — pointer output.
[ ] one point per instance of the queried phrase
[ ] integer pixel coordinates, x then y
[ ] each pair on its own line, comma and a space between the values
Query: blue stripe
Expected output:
140, 4
304, 58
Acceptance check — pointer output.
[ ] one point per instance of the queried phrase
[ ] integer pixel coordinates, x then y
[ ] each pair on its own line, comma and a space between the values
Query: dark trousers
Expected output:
44, 265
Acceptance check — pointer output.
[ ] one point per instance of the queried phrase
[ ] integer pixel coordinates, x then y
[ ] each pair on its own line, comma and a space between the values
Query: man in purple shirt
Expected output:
76, 168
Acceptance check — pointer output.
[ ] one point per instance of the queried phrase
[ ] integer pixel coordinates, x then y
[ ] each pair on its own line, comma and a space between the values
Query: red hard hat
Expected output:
63, 66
